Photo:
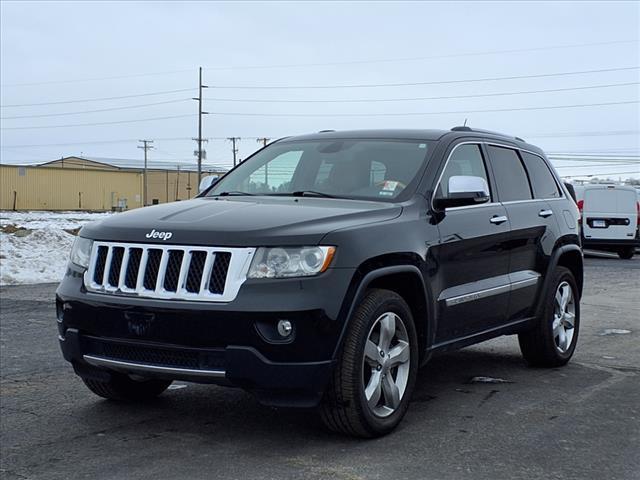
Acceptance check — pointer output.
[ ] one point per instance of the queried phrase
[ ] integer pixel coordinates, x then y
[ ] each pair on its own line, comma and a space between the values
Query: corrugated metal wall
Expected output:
34, 188
51, 188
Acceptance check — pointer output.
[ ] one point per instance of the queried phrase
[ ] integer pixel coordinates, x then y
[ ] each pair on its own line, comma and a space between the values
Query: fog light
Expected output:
284, 328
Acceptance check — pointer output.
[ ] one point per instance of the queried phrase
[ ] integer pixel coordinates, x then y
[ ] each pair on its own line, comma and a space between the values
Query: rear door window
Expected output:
542, 181
511, 177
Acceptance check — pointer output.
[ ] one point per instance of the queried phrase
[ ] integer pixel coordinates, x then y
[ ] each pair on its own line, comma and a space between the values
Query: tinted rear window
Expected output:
542, 181
511, 178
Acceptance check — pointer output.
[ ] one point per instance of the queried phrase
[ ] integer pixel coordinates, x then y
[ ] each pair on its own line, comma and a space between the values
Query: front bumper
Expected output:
234, 343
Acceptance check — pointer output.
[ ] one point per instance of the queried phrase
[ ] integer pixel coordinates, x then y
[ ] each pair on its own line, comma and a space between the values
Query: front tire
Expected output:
626, 253
123, 388
553, 340
376, 371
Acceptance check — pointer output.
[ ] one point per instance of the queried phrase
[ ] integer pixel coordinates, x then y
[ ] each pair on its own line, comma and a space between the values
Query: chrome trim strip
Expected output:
470, 297
130, 367
533, 279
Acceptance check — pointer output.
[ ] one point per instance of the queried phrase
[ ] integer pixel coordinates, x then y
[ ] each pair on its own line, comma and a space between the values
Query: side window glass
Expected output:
511, 178
542, 180
465, 160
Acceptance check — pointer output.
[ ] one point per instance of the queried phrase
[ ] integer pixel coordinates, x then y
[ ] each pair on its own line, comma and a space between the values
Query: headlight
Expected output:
81, 252
282, 262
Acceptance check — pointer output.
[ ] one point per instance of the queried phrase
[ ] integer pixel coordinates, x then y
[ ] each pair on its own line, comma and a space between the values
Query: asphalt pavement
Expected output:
577, 422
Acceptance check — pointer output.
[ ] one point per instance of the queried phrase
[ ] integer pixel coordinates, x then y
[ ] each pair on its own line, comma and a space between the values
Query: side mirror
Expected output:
464, 190
207, 182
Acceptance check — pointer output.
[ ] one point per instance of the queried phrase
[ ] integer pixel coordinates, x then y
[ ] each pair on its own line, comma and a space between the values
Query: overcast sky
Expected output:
69, 51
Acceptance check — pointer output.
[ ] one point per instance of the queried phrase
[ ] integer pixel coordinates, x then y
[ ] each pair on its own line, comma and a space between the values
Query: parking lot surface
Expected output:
577, 422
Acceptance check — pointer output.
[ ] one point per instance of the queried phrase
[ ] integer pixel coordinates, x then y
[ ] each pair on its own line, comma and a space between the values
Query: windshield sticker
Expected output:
385, 193
422, 145
389, 185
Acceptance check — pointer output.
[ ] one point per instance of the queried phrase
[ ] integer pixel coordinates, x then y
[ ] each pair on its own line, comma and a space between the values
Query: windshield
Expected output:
344, 168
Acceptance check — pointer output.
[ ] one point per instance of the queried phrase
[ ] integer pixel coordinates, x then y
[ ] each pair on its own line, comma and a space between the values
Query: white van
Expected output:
609, 216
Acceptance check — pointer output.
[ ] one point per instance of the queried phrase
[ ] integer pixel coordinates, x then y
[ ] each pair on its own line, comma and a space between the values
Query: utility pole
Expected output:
200, 113
233, 140
145, 146
264, 141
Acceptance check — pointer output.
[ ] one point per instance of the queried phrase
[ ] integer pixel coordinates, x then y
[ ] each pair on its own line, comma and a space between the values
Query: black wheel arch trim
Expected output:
554, 261
361, 283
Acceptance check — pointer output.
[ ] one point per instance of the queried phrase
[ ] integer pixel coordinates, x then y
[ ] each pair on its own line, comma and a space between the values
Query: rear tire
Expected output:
122, 388
375, 375
552, 341
626, 253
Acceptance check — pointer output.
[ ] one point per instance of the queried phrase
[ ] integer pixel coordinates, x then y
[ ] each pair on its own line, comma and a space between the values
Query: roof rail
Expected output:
478, 130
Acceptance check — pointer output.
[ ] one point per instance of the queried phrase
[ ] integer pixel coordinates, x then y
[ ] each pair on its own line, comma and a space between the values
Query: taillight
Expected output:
580, 207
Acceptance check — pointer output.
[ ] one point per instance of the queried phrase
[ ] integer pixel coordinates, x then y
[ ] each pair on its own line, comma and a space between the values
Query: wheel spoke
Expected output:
399, 354
566, 291
559, 300
371, 353
387, 331
391, 392
373, 390
569, 319
562, 338
557, 326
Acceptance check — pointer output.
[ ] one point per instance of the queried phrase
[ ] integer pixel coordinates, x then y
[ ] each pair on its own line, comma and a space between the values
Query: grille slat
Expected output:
219, 272
131, 277
115, 265
154, 257
169, 272
172, 272
196, 269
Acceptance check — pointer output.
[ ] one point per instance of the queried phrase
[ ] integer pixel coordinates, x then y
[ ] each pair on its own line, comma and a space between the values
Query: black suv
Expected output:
323, 270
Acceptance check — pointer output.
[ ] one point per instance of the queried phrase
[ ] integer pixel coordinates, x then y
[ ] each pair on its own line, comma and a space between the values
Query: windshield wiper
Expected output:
311, 193
233, 193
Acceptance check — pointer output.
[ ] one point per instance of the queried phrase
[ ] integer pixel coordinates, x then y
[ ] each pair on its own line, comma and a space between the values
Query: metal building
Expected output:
78, 183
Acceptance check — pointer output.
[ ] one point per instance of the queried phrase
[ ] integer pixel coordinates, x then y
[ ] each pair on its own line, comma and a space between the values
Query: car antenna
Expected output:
465, 123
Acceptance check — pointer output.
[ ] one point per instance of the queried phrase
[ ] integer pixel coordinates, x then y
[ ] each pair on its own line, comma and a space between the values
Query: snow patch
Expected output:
40, 255
615, 331
488, 380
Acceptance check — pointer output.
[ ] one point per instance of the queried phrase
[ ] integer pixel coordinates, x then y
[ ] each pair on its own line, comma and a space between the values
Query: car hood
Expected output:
240, 221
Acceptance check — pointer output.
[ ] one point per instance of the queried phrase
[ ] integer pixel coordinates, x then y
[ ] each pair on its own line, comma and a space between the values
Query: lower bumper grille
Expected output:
171, 357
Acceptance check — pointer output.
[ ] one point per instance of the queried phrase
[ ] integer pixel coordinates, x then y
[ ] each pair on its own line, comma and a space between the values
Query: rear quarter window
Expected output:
542, 181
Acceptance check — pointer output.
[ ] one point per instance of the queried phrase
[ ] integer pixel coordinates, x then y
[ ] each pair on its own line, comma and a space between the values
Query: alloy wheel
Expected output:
386, 362
564, 317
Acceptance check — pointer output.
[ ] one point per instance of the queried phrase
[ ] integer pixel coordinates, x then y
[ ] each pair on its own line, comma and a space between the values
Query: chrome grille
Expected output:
168, 272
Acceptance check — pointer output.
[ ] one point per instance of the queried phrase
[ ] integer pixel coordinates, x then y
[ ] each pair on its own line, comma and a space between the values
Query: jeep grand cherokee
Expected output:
323, 270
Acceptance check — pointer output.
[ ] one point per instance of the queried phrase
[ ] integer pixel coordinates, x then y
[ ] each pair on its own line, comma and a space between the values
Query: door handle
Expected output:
498, 219
545, 213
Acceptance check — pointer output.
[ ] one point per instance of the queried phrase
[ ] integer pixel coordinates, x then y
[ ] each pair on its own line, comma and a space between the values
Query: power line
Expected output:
598, 165
348, 62
393, 114
99, 123
374, 100
111, 109
95, 79
585, 134
99, 99
174, 139
438, 82
430, 57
